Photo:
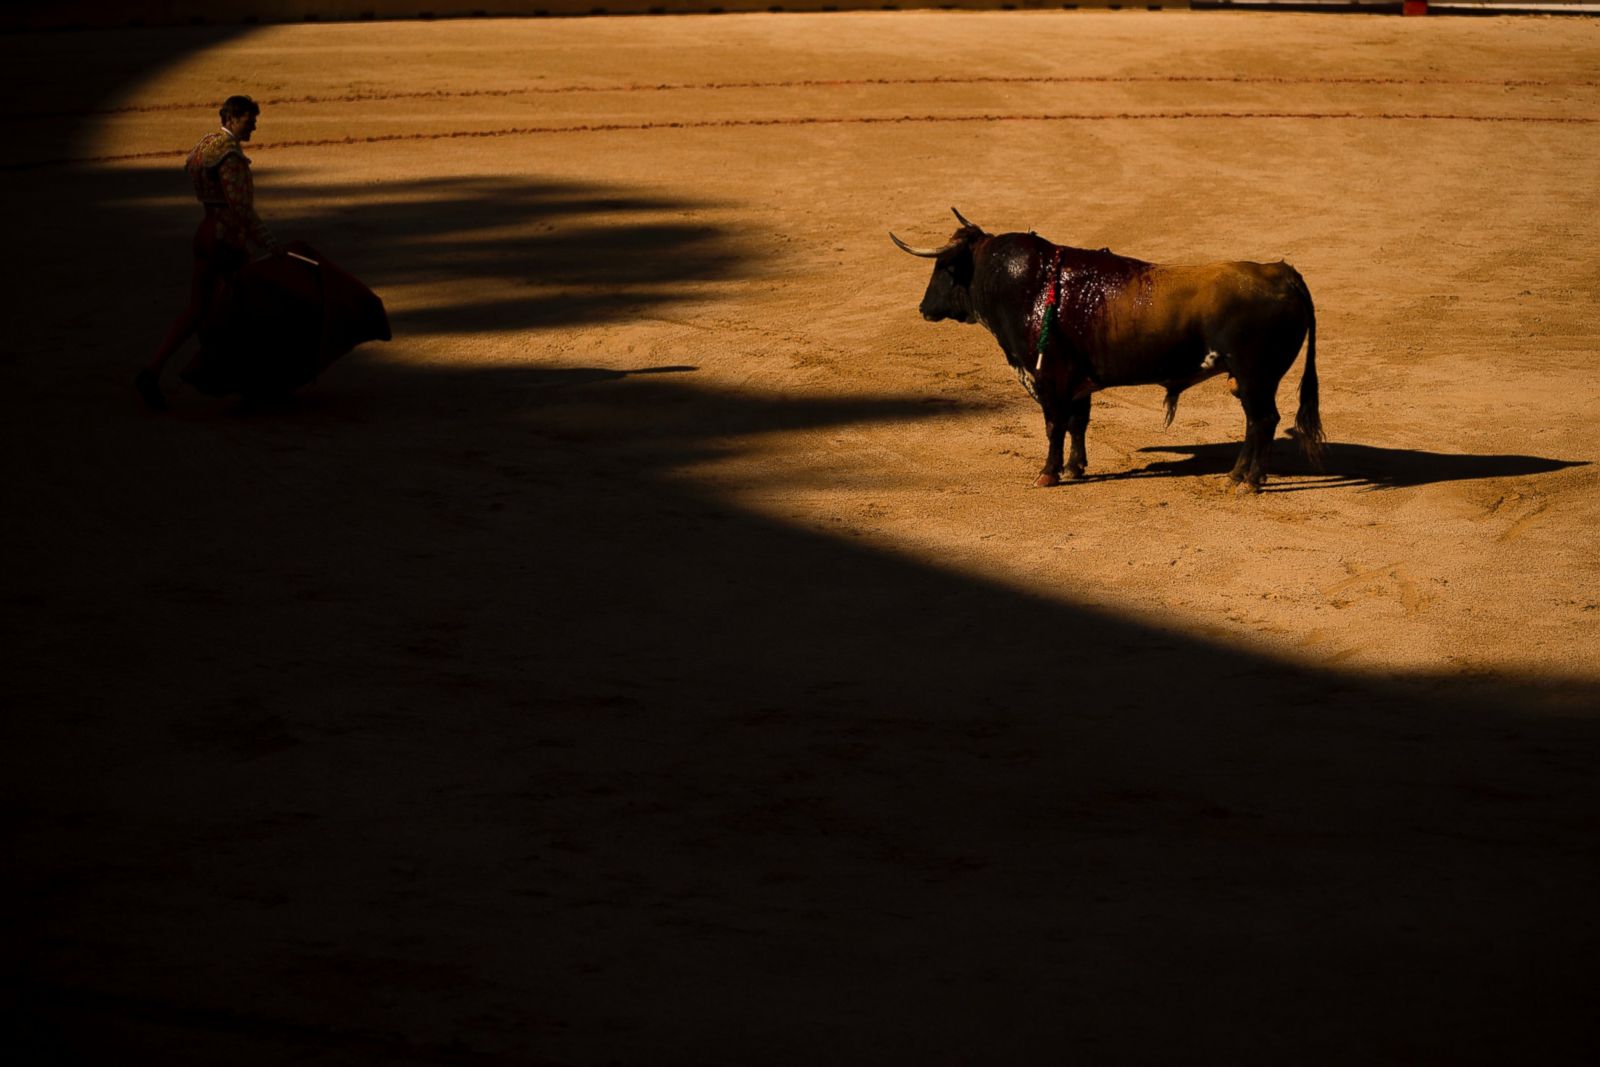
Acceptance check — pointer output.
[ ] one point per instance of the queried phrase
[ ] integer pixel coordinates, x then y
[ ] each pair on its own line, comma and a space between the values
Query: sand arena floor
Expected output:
656, 654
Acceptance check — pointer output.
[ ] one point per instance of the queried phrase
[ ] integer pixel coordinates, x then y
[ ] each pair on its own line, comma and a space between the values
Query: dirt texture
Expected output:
656, 653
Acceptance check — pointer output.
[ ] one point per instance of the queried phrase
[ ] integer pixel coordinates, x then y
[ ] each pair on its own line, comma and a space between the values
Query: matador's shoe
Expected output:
149, 387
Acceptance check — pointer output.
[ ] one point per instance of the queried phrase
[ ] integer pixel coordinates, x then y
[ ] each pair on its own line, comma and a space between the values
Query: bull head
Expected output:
949, 292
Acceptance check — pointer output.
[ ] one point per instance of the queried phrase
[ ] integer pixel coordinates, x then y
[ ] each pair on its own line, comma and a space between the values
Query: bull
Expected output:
1073, 321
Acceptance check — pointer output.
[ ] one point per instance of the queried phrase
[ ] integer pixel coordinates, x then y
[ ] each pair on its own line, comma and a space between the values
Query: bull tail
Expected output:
1308, 420
1172, 403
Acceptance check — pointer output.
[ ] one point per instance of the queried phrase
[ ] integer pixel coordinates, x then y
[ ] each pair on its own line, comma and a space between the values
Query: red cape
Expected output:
281, 321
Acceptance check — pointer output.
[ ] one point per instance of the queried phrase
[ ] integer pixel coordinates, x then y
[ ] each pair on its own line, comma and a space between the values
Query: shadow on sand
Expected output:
476, 231
493, 255
1345, 464
508, 745
441, 720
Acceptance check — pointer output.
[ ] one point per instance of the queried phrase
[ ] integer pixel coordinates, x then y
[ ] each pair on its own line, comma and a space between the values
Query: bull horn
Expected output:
964, 220
925, 253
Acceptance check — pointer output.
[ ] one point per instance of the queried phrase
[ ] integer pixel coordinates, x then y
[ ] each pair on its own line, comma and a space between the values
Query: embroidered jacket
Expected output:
220, 172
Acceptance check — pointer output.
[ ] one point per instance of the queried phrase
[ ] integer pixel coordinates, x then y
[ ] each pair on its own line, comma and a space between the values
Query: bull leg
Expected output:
1077, 426
1261, 426
1055, 431
1241, 466
1059, 421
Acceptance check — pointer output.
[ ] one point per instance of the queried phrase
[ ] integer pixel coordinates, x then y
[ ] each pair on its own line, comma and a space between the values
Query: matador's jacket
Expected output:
221, 174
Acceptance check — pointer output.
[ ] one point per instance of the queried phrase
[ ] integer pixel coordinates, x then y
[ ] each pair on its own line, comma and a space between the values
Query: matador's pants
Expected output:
214, 261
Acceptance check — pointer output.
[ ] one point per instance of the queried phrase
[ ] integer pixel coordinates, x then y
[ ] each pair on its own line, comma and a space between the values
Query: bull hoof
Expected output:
1046, 480
1245, 488
1075, 474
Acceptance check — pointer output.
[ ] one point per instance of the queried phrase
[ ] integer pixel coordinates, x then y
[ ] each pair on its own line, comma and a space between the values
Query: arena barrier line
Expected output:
707, 124
825, 83
36, 15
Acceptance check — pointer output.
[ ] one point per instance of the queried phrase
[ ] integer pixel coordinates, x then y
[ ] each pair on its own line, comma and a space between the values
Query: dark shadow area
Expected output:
77, 72
456, 230
456, 728
441, 719
504, 254
1345, 464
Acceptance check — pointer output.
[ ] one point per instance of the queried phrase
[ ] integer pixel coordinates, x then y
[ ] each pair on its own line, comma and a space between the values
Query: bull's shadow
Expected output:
1344, 464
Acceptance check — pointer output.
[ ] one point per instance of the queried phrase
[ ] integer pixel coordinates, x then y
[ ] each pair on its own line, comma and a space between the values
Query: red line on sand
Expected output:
1085, 79
636, 127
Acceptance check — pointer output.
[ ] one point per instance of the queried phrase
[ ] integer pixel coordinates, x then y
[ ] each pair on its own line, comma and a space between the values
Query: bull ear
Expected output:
964, 220
925, 253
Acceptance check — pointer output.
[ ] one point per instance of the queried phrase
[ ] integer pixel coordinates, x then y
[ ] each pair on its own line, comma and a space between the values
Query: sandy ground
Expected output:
656, 654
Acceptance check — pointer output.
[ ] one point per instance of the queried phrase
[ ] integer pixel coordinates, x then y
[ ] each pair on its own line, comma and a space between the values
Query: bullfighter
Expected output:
220, 172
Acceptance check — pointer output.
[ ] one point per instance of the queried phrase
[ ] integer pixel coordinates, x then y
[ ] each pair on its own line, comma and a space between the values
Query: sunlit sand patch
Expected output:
786, 288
